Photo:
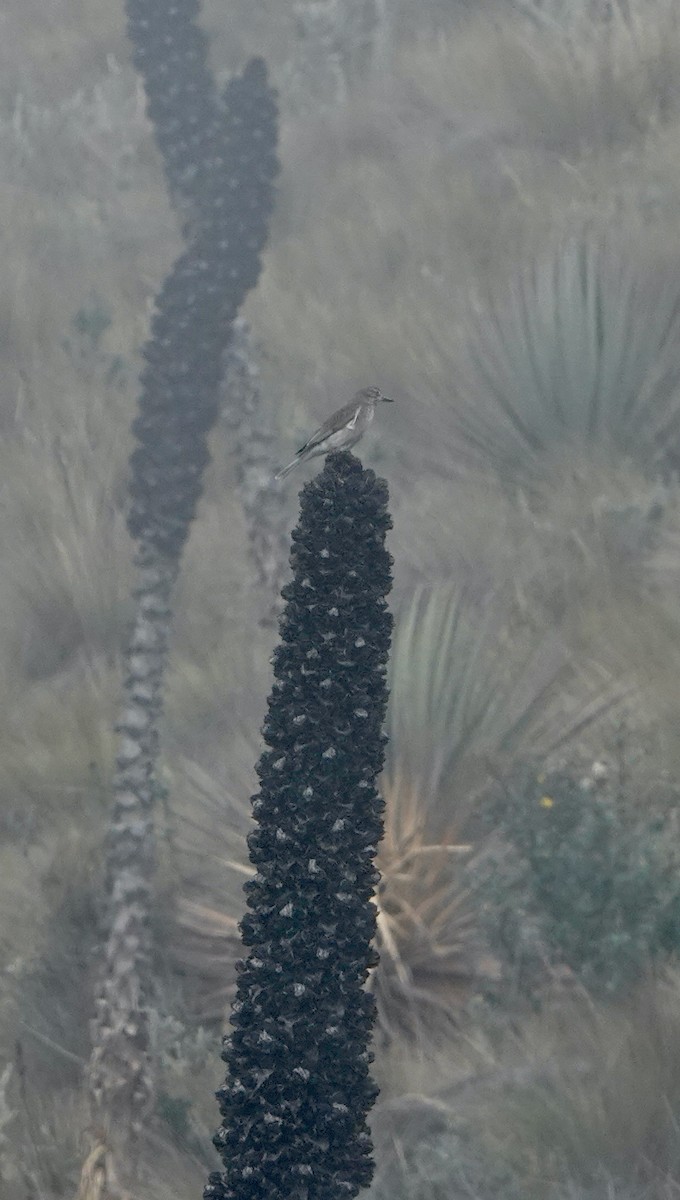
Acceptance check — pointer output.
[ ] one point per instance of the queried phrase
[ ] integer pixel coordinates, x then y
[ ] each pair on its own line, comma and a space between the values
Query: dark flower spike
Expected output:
298, 1088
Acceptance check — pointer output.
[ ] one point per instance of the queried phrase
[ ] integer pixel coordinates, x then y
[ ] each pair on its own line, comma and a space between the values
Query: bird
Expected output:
342, 430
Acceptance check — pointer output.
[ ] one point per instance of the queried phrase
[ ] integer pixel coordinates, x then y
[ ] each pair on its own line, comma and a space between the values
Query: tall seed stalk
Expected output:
298, 1088
220, 160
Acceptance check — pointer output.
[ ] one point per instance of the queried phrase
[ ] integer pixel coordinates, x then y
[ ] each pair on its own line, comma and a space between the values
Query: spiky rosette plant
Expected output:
298, 1088
576, 359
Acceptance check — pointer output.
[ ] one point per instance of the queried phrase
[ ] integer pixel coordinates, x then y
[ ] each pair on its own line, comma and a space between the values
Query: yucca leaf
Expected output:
579, 353
467, 688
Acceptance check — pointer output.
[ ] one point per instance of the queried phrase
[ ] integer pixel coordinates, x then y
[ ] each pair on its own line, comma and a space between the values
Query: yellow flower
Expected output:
546, 802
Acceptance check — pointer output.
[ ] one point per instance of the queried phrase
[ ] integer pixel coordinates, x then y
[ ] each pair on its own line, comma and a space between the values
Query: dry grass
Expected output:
579, 87
605, 1096
579, 1103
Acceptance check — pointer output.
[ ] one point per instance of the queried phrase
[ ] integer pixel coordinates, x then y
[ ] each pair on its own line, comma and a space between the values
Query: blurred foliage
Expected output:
473, 689
577, 359
595, 1112
474, 686
582, 880
444, 1165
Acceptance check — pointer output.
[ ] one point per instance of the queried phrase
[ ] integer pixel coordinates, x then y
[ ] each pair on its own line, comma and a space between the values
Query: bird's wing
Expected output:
347, 415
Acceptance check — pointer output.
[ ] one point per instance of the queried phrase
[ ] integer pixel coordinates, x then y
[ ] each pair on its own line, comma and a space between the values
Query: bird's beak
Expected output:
387, 399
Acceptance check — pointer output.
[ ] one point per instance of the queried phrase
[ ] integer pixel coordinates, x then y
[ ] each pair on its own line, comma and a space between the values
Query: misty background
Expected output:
477, 212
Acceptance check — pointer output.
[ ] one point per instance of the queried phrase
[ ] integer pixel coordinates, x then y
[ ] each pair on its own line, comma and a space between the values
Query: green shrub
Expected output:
582, 880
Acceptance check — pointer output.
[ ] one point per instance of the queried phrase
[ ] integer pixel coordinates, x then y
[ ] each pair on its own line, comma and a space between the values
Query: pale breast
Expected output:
343, 437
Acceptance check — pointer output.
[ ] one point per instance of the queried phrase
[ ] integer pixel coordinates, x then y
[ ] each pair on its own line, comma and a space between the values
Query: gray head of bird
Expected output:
371, 395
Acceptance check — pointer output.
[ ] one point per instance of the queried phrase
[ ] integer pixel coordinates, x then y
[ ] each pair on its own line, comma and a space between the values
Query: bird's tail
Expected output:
285, 470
